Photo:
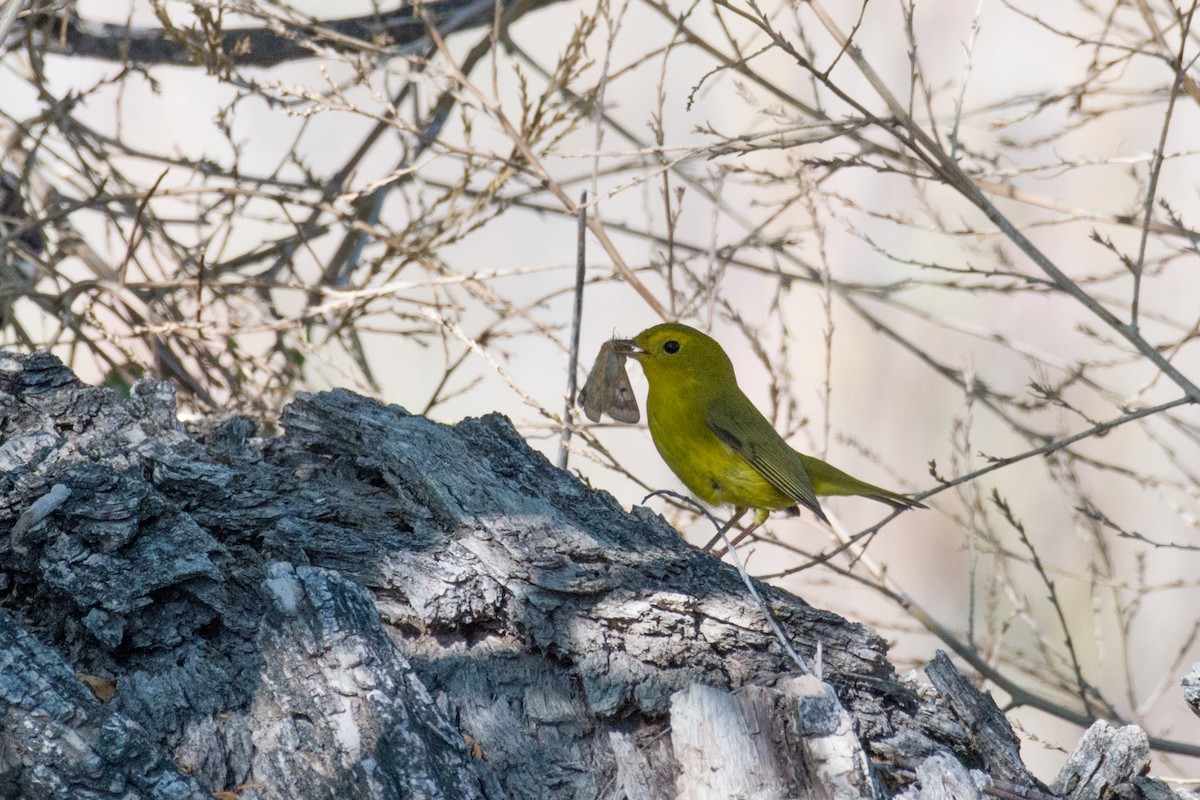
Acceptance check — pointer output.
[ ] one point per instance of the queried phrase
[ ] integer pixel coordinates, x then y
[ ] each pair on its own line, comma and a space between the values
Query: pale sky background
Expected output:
882, 397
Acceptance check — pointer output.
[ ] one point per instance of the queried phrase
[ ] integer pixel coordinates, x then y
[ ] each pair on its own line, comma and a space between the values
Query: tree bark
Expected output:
370, 604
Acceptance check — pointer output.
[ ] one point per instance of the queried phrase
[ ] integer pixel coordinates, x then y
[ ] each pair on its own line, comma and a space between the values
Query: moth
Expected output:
607, 388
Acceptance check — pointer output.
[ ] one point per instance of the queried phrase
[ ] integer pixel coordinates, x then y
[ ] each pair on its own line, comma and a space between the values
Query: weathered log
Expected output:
1109, 763
374, 605
1191, 689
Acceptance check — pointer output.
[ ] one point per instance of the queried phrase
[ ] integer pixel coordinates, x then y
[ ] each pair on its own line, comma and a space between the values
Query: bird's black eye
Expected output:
671, 346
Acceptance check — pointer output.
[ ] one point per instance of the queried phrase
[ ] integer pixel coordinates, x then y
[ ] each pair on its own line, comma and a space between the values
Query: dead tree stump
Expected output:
373, 605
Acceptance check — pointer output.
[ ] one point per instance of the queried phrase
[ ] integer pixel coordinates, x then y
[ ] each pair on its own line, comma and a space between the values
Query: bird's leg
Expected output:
760, 516
738, 514
749, 529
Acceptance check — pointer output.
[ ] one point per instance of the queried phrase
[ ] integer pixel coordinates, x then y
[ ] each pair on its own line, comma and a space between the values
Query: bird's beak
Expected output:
628, 347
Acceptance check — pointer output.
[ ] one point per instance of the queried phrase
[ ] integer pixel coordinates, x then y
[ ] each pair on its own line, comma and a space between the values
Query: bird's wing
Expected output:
736, 422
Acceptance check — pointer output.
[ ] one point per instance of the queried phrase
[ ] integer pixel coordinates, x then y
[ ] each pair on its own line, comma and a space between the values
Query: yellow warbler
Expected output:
718, 443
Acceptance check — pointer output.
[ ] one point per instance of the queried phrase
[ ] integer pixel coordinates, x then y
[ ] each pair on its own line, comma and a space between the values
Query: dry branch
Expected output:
281, 41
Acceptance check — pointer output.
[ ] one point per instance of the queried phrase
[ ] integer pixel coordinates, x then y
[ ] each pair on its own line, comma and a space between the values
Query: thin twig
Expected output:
564, 445
535, 164
9, 16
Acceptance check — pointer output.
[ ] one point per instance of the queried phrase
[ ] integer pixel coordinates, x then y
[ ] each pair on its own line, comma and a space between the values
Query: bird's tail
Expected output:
829, 480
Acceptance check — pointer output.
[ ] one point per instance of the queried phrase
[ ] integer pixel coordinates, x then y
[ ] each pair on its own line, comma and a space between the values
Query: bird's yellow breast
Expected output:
706, 465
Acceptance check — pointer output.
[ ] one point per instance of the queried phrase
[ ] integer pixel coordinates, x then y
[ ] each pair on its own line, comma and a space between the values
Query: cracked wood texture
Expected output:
373, 605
